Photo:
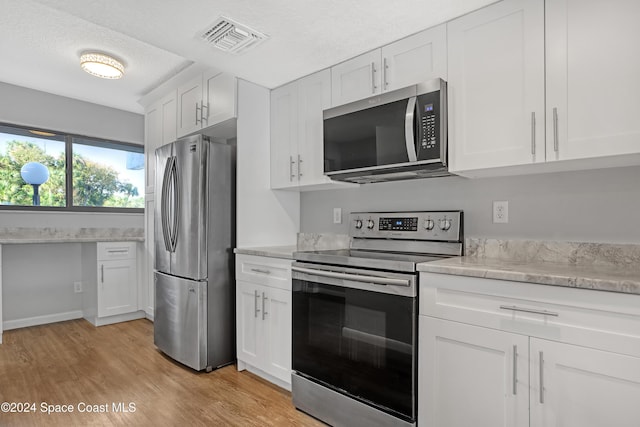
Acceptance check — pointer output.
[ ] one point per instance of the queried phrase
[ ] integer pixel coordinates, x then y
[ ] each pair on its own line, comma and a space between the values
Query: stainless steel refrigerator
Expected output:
194, 240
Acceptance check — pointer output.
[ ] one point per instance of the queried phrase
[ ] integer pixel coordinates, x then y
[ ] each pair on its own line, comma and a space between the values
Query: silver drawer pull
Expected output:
117, 251
259, 270
528, 310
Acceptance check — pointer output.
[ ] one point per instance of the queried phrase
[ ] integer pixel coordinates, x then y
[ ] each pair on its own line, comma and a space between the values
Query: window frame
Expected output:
68, 151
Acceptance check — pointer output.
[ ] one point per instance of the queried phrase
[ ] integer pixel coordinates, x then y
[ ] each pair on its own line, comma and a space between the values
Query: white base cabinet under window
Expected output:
111, 287
263, 317
481, 343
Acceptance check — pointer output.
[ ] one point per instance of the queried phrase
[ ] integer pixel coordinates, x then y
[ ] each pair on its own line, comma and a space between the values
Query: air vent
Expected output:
231, 36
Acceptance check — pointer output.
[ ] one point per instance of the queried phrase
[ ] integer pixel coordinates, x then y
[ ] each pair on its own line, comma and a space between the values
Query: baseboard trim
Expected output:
109, 320
41, 320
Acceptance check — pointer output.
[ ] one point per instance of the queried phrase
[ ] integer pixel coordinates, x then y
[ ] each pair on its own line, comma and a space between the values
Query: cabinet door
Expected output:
583, 387
284, 136
415, 59
249, 323
189, 107
593, 89
219, 98
471, 376
152, 139
149, 251
117, 287
276, 315
496, 86
169, 108
159, 129
356, 78
314, 95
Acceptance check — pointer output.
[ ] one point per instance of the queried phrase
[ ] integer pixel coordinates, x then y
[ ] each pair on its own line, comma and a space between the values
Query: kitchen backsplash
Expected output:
572, 253
322, 241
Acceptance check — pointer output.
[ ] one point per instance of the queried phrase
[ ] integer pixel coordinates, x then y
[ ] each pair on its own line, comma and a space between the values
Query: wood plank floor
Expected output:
75, 363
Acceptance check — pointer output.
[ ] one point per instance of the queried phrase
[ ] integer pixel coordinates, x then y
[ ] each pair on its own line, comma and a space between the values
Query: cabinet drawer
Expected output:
116, 250
275, 272
605, 320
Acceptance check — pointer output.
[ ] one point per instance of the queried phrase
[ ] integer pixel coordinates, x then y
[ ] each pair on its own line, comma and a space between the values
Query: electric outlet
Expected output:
500, 212
77, 287
337, 215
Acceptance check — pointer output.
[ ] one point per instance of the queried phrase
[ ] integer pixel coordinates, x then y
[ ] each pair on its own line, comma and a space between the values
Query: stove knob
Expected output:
358, 224
445, 224
370, 224
429, 224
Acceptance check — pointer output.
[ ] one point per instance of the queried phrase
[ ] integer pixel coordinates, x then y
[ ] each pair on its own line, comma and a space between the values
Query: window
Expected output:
53, 171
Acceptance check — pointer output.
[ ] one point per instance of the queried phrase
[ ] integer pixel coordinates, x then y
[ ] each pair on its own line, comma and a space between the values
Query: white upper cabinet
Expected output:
284, 136
297, 158
414, 59
160, 129
593, 78
206, 100
356, 78
496, 86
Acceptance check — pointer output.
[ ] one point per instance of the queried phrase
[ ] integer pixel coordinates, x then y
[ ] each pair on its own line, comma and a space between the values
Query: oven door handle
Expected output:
355, 277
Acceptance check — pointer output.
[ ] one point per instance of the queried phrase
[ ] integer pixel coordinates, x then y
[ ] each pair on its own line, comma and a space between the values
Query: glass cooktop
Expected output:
379, 260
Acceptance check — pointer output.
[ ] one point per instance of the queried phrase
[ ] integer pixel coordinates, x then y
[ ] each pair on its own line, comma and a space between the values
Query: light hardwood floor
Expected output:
75, 363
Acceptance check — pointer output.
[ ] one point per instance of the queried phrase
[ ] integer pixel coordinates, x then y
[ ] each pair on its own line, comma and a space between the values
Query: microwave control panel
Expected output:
429, 125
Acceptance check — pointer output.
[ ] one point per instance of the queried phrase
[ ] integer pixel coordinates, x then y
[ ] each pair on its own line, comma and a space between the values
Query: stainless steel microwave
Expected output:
398, 135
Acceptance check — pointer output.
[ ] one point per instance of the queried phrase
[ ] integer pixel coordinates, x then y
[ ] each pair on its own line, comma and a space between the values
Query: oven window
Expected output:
359, 341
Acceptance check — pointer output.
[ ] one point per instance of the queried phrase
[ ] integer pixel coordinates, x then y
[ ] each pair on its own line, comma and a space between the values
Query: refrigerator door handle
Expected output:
163, 204
176, 204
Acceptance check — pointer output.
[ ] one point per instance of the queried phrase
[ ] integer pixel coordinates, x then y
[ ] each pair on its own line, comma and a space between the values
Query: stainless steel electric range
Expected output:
355, 317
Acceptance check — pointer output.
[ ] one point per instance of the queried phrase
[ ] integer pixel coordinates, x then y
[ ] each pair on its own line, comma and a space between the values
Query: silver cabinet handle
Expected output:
198, 109
541, 354
533, 133
299, 166
291, 162
259, 270
256, 310
515, 370
264, 311
117, 251
204, 117
555, 129
385, 67
528, 310
102, 273
373, 77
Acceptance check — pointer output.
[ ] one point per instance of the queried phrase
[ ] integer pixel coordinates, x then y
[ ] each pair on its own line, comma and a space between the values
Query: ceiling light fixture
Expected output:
101, 65
41, 133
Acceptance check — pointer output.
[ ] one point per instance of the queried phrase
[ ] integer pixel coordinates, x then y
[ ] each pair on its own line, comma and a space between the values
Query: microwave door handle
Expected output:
408, 130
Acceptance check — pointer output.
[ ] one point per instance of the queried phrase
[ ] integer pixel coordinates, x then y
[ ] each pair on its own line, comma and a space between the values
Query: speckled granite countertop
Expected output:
605, 267
269, 251
22, 235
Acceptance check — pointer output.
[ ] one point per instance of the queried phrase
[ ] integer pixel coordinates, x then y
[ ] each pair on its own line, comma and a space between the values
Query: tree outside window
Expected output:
105, 175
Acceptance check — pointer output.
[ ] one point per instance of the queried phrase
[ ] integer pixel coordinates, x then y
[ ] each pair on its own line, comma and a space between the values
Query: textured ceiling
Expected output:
41, 40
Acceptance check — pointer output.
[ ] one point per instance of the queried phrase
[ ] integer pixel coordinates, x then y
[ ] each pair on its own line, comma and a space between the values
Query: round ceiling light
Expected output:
101, 65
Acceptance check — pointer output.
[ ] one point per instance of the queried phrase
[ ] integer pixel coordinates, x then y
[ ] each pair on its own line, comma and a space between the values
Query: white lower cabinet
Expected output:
111, 283
263, 317
583, 387
499, 353
471, 376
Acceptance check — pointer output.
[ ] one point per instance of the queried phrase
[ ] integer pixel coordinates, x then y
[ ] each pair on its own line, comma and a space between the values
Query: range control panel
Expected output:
421, 225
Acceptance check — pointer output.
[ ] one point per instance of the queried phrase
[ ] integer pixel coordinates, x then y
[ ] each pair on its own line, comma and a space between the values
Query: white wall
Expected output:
37, 280
587, 206
264, 217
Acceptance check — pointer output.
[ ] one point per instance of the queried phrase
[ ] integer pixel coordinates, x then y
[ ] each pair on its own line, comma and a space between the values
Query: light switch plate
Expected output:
337, 215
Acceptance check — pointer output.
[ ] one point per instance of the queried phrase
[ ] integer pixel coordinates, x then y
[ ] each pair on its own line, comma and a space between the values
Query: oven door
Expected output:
354, 331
